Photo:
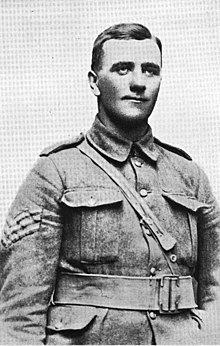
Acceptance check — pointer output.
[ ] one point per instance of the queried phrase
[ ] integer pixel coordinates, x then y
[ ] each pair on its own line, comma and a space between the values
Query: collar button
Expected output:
138, 162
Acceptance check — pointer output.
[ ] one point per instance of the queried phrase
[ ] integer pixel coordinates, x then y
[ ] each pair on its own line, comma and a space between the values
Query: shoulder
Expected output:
172, 149
65, 144
178, 171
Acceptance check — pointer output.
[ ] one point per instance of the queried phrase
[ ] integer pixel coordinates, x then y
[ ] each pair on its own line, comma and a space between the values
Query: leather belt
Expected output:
166, 294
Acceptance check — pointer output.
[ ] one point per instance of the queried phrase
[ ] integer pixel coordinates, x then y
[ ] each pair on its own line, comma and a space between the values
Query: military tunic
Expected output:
70, 217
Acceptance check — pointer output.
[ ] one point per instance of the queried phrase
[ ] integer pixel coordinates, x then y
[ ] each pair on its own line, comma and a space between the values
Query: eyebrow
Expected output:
130, 64
121, 64
148, 65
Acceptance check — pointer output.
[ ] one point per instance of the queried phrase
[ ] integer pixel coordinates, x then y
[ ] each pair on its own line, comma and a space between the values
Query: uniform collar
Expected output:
116, 147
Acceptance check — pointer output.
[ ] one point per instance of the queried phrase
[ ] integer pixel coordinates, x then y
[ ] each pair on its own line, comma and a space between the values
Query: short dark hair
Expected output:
123, 31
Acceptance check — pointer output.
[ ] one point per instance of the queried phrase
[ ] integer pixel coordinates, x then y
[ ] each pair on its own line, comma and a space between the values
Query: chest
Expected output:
102, 231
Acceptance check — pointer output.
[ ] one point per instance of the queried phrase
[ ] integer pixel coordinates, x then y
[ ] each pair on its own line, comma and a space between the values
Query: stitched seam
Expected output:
58, 172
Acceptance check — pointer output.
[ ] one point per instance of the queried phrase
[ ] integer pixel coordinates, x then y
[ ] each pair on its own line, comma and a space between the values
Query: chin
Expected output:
136, 116
133, 119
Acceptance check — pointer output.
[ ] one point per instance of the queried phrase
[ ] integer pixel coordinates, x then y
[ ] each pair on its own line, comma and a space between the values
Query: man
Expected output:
114, 237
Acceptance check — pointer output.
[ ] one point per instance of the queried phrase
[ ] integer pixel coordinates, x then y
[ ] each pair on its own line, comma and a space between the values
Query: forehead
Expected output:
137, 51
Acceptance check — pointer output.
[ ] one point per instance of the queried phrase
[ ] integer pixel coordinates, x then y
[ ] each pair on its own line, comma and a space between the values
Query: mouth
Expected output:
135, 99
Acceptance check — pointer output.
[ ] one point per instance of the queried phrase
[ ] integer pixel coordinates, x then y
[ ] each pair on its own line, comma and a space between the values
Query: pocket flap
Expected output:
70, 317
86, 197
189, 202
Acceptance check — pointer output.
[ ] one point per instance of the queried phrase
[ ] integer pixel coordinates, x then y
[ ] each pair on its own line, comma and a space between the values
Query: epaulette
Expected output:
65, 144
175, 150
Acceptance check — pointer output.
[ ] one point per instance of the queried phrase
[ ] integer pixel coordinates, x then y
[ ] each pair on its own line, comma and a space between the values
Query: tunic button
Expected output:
173, 258
152, 315
153, 271
147, 231
143, 193
138, 162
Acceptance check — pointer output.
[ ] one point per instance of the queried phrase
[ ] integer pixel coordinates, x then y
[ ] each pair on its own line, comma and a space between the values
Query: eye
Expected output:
152, 71
122, 68
122, 71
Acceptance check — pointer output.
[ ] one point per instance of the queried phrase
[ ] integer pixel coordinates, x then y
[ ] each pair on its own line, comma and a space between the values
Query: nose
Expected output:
138, 82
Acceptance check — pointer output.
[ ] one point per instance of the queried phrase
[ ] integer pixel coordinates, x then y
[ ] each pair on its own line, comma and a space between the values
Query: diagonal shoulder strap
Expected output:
148, 219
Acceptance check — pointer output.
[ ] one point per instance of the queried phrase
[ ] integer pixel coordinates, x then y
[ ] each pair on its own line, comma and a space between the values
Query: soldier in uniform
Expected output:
113, 238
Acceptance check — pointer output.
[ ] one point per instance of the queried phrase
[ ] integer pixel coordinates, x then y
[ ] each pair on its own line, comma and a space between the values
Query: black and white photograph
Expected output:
110, 172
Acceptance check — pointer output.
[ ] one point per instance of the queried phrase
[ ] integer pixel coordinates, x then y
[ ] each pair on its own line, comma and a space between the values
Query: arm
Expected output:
209, 261
29, 254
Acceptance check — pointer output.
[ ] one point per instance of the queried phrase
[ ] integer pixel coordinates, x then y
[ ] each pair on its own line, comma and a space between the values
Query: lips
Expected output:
135, 98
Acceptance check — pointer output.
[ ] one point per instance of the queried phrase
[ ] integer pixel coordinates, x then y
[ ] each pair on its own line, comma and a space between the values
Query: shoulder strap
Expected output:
65, 144
147, 218
175, 150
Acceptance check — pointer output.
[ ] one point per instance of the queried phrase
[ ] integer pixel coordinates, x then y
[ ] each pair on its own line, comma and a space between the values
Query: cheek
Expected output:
154, 86
153, 89
111, 87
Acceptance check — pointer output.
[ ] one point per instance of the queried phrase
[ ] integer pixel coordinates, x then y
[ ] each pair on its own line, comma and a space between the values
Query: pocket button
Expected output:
152, 315
58, 325
92, 201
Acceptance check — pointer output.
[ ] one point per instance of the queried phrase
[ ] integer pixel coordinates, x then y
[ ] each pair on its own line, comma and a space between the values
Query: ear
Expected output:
93, 82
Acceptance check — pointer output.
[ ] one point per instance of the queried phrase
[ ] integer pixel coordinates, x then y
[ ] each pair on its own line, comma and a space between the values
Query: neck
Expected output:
132, 131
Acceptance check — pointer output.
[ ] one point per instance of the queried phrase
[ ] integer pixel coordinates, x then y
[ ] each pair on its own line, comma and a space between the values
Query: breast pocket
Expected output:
186, 210
92, 218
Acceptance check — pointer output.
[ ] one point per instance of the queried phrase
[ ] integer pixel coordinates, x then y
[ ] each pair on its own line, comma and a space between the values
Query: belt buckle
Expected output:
168, 294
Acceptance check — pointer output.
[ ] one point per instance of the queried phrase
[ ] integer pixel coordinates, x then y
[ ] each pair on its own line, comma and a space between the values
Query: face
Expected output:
128, 83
